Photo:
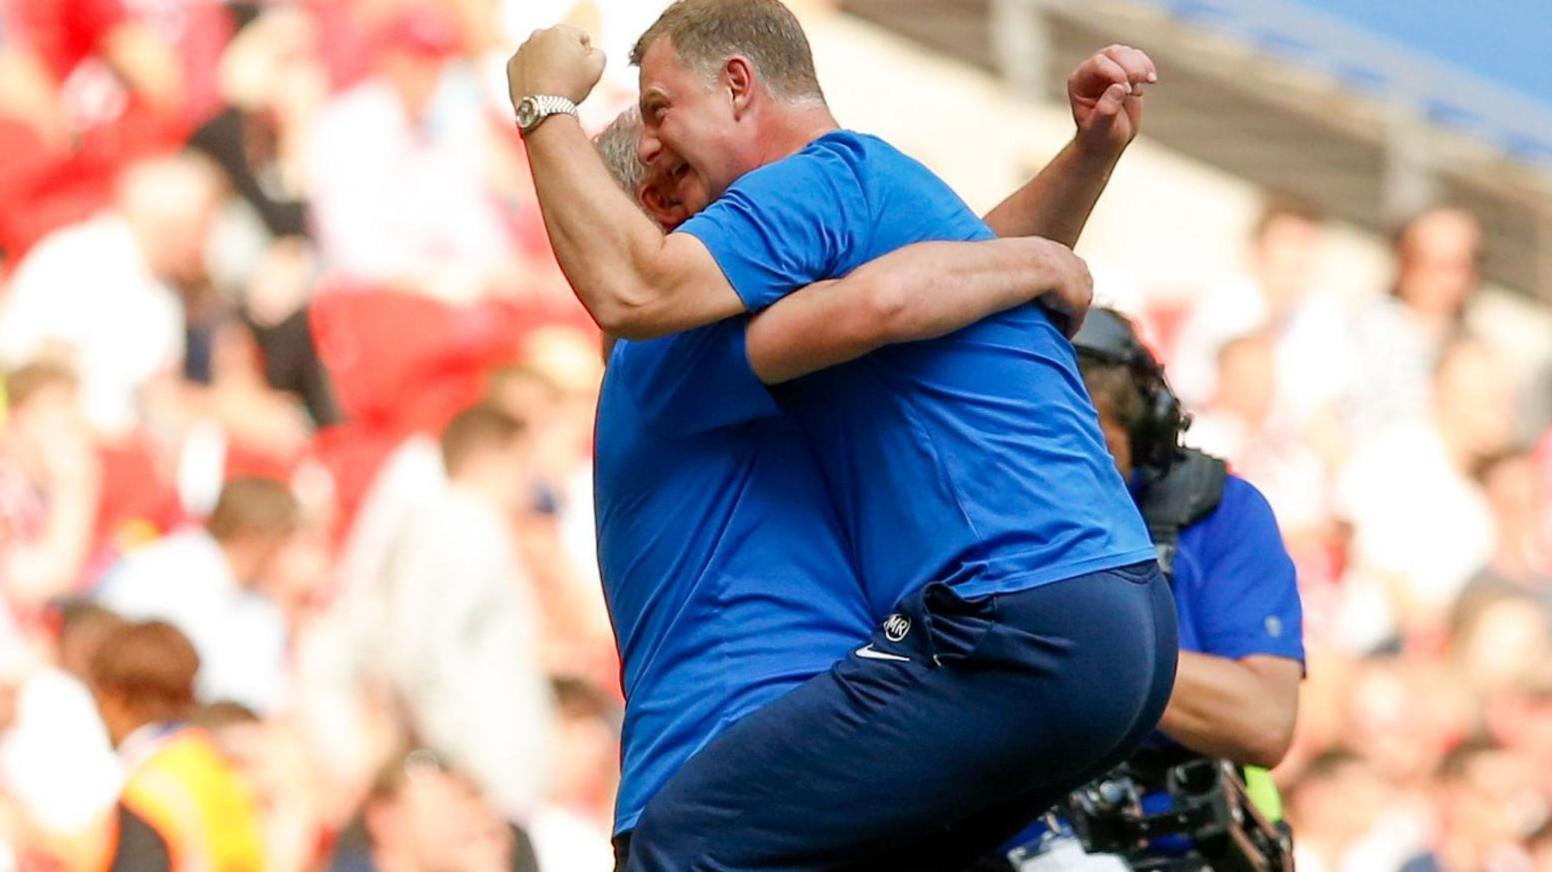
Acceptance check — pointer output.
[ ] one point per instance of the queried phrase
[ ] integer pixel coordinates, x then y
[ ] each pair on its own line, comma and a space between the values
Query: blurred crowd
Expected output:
295, 497
297, 412
1408, 456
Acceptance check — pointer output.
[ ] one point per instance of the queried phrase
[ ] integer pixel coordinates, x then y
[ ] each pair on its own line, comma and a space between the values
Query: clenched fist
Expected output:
559, 61
1106, 96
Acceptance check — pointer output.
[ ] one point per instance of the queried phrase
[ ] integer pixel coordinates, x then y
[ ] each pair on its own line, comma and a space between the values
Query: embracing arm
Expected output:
1243, 710
920, 292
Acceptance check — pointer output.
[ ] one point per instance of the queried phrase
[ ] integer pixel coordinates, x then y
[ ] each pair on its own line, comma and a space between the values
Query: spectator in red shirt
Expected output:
88, 87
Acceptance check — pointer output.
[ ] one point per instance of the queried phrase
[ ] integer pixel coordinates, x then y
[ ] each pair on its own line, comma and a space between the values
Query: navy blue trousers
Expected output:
953, 727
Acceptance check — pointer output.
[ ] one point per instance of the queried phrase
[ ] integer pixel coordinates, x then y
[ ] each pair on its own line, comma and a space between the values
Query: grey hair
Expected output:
617, 145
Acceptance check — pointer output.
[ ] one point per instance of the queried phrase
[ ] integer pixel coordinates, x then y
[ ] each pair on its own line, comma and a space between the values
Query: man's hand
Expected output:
1069, 299
1106, 96
559, 61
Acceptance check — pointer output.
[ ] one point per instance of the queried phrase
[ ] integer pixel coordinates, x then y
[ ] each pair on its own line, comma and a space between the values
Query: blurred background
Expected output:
288, 366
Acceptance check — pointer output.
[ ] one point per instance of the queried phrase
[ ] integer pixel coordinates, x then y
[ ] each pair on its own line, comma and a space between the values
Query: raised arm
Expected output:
919, 292
636, 282
1106, 96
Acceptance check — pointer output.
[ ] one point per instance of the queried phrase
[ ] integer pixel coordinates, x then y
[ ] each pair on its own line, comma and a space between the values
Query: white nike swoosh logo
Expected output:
867, 652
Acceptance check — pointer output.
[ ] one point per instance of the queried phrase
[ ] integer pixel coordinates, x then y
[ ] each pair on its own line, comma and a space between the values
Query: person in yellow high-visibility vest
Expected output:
184, 807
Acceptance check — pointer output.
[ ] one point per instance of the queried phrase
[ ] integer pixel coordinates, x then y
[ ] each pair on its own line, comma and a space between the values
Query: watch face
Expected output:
527, 112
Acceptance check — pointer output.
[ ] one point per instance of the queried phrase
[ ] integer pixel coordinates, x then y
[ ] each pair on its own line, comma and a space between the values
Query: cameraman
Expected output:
1242, 656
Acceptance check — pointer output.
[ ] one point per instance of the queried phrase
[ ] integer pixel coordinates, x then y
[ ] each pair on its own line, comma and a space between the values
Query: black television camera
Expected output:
1212, 821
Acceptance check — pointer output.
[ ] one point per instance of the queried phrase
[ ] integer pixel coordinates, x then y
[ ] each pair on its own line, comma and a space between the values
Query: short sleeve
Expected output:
1246, 590
787, 225
695, 381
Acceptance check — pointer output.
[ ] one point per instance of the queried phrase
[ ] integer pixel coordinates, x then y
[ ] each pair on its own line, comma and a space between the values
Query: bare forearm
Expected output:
598, 235
919, 292
1057, 202
634, 281
1224, 708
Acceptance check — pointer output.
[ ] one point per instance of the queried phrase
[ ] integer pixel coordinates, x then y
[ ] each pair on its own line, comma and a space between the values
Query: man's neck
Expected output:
792, 127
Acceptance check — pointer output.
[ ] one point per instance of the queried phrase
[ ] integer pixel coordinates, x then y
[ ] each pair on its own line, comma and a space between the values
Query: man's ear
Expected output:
739, 79
650, 196
659, 207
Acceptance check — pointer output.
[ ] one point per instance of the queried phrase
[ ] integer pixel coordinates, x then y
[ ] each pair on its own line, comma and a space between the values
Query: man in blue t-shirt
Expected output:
722, 559
1031, 641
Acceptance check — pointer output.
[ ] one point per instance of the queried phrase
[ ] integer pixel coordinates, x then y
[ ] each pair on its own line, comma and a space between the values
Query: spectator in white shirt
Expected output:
1239, 426
212, 584
1276, 295
55, 759
1421, 524
571, 829
103, 292
1400, 338
399, 193
452, 624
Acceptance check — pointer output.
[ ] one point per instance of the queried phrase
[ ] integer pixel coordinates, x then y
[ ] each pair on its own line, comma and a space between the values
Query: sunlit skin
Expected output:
690, 126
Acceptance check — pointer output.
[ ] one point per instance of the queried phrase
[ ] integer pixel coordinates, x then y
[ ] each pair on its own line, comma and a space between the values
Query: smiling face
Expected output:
692, 126
668, 198
671, 198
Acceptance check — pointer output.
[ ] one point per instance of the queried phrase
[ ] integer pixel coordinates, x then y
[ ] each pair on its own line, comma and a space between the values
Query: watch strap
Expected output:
547, 105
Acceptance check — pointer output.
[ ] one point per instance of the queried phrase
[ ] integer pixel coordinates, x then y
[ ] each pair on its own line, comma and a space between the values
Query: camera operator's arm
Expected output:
1242, 710
1237, 694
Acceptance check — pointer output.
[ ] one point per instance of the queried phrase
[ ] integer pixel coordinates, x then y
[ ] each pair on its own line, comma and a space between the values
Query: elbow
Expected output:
636, 303
1266, 754
1272, 740
626, 318
615, 321
885, 314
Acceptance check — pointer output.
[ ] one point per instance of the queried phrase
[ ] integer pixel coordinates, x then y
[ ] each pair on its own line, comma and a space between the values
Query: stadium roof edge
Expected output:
1330, 130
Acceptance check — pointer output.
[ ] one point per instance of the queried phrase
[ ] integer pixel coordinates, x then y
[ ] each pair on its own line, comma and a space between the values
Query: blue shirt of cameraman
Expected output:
1235, 588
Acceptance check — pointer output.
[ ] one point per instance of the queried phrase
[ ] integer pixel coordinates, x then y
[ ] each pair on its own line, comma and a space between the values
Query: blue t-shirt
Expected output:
1236, 592
721, 555
976, 458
